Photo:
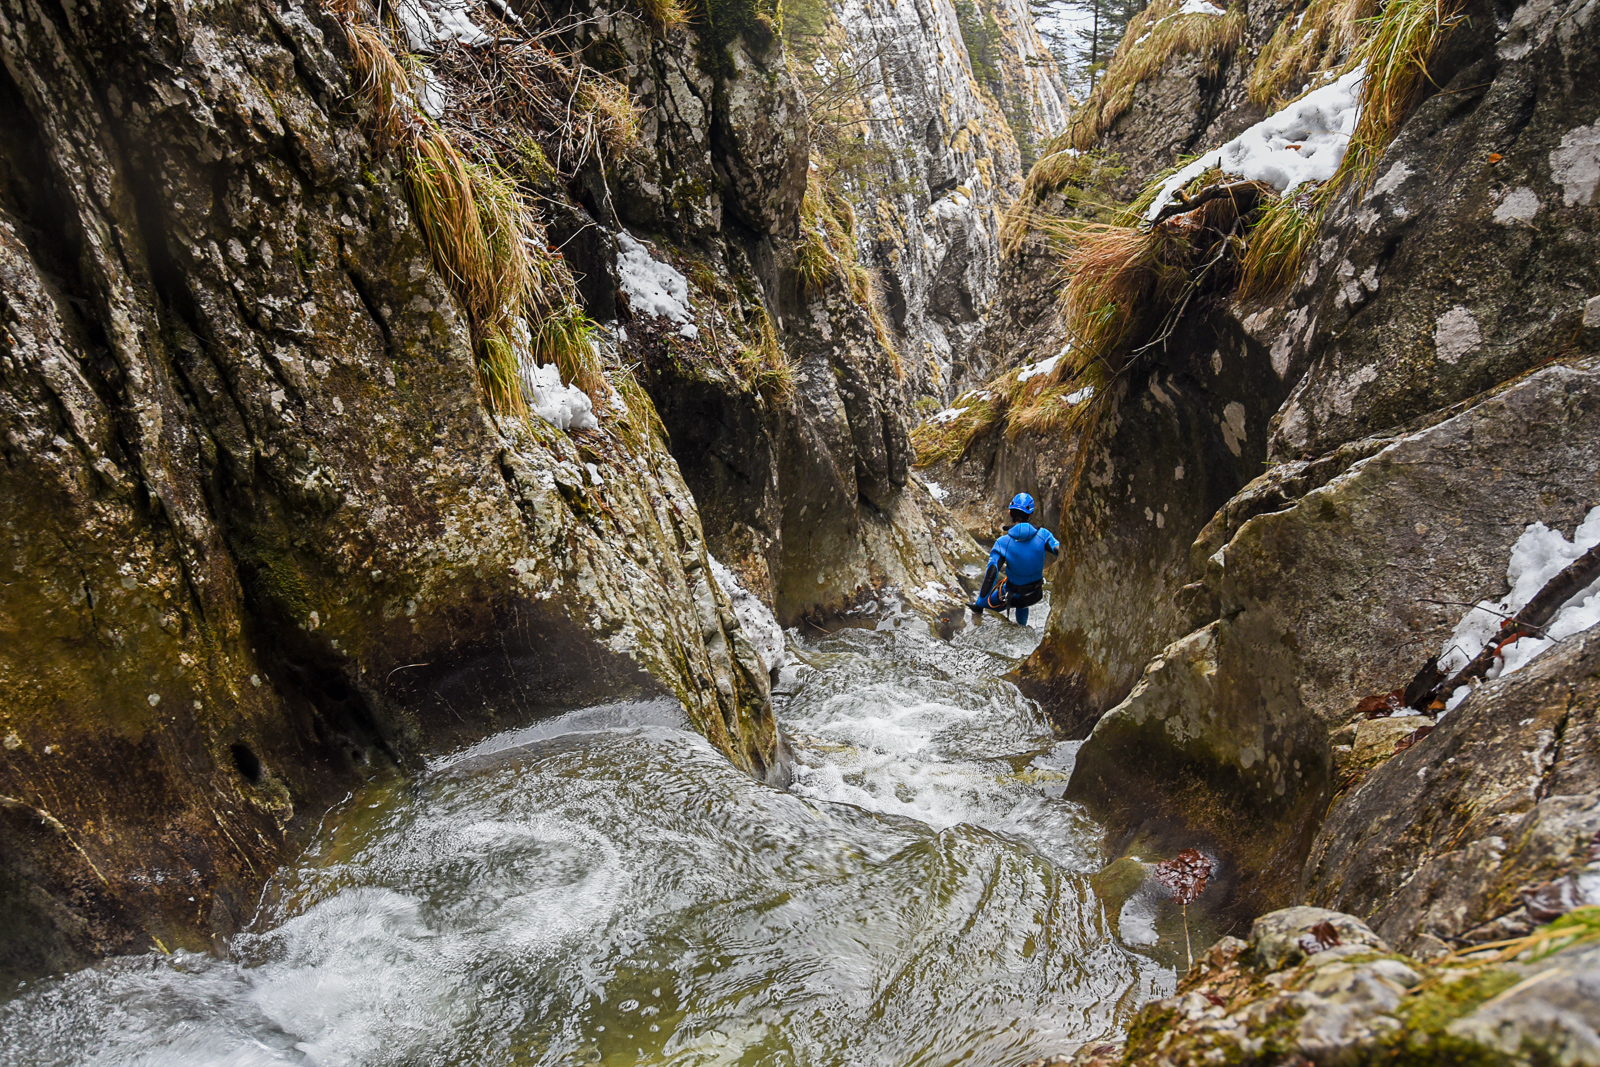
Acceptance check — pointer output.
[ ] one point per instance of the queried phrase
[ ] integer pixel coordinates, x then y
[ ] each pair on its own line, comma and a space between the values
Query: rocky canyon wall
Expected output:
1358, 454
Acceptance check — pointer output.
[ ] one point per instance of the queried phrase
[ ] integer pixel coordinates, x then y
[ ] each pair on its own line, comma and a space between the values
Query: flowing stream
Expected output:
605, 888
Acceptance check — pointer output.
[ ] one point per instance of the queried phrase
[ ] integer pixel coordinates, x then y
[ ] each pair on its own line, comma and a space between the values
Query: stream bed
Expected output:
605, 888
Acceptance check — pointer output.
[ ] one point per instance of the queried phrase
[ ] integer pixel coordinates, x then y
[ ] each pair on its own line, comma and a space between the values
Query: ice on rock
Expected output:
760, 625
1305, 142
653, 287
1538, 556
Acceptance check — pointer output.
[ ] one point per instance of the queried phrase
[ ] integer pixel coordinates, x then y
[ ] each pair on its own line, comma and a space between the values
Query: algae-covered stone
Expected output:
1118, 881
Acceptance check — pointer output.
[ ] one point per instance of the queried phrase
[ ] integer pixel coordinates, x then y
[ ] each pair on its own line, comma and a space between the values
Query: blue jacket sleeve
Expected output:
1051, 543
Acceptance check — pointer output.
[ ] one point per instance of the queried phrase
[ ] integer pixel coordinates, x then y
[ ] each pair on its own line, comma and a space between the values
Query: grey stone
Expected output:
1283, 938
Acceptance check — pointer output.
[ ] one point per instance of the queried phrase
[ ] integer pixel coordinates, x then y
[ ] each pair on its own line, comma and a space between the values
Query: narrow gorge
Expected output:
492, 493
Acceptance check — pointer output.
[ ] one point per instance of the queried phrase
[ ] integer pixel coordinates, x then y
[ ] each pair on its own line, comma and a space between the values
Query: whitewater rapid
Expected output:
605, 888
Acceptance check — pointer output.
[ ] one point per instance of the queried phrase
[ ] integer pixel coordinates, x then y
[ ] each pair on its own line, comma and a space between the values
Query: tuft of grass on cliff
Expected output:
1126, 283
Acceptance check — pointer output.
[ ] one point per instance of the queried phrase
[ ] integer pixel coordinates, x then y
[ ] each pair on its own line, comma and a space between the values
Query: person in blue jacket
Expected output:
1020, 551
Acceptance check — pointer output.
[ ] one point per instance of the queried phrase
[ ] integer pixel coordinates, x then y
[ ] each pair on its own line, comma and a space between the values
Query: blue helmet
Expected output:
1022, 502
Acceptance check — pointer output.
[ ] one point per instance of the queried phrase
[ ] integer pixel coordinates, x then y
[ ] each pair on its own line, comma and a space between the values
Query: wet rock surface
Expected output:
1229, 731
1341, 996
263, 536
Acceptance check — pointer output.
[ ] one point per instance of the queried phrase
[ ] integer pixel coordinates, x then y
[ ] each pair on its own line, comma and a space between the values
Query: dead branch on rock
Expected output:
1246, 196
1531, 620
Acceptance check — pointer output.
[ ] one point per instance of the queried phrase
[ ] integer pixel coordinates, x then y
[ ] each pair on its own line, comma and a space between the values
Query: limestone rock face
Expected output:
1474, 256
1437, 843
1325, 601
262, 535
805, 492
1177, 440
952, 163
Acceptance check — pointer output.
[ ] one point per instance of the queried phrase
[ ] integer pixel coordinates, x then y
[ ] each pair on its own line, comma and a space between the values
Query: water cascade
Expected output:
605, 888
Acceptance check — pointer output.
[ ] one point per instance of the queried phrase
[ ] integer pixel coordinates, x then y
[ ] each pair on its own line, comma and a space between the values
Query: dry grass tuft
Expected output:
1319, 38
1396, 53
665, 15
1116, 277
613, 112
1277, 244
564, 335
947, 436
1153, 37
826, 253
484, 237
763, 366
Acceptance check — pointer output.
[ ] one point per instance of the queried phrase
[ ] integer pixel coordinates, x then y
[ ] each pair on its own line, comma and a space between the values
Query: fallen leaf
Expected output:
1381, 706
1220, 1002
1495, 157
1184, 875
1327, 933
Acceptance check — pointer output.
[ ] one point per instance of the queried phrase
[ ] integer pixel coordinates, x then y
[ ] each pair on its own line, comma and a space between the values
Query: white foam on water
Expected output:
604, 886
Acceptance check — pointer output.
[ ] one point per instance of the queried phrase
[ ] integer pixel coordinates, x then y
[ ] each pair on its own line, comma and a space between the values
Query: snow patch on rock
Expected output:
565, 406
1304, 142
653, 287
1538, 556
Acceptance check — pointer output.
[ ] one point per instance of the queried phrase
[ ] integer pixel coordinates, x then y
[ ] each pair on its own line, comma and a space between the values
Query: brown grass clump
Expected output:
1153, 37
1116, 275
1396, 53
1320, 37
826, 253
381, 82
1277, 244
665, 15
948, 435
763, 365
484, 237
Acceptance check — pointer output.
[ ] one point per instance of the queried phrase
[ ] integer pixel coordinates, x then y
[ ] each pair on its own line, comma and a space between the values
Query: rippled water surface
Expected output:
605, 888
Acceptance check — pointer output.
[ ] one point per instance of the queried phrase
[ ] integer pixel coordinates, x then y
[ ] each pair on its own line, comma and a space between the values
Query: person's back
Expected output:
1023, 547
1021, 552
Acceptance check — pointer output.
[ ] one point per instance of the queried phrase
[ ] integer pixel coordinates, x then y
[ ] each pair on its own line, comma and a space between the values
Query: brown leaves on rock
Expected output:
1382, 706
1184, 875
1320, 938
